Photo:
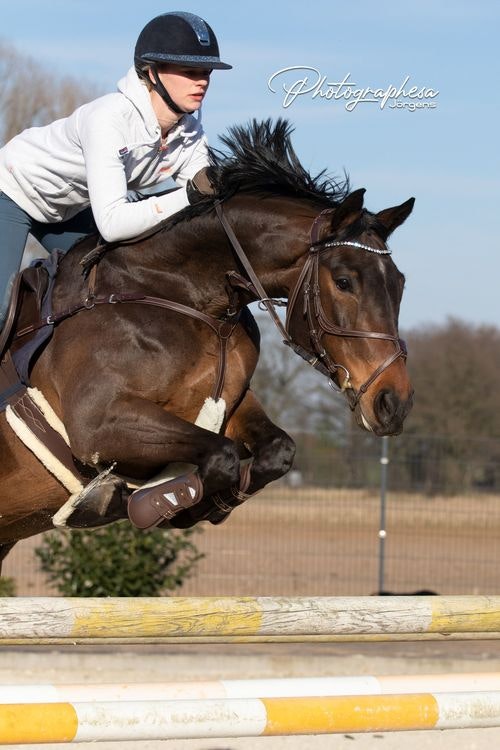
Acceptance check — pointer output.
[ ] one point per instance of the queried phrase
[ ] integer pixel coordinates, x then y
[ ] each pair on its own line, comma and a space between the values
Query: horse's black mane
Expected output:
260, 159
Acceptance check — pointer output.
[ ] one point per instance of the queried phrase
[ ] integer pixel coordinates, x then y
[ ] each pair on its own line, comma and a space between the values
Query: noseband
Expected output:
317, 320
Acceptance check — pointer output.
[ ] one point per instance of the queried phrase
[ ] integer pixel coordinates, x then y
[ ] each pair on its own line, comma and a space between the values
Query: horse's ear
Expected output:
391, 218
353, 202
337, 216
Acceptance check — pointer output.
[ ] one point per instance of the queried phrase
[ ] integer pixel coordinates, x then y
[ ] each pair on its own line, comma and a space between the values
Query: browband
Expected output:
350, 243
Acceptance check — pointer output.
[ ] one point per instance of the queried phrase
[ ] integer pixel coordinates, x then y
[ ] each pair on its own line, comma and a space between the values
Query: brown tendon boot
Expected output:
153, 504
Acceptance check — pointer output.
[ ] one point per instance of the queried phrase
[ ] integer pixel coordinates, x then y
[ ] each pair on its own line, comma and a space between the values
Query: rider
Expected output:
77, 175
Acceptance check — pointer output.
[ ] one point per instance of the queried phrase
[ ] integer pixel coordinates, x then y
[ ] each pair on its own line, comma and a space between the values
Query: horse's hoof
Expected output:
237, 495
218, 516
103, 501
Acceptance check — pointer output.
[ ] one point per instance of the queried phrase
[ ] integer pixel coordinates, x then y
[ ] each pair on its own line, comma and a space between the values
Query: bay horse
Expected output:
128, 379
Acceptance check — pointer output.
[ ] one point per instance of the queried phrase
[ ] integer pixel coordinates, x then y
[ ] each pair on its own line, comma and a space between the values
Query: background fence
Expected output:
318, 532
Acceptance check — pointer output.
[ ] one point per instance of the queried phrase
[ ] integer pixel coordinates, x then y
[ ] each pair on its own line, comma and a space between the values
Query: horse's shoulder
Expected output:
250, 326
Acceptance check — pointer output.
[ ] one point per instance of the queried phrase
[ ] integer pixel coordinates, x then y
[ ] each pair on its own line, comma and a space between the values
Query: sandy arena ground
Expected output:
166, 663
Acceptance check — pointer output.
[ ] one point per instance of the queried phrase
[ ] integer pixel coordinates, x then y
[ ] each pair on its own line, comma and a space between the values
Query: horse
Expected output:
128, 377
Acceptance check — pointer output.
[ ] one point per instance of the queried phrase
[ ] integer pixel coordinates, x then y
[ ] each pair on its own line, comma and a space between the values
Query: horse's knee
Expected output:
276, 457
284, 453
221, 467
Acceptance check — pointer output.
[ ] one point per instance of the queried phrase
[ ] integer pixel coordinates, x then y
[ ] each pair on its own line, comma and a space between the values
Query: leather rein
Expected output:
318, 322
308, 281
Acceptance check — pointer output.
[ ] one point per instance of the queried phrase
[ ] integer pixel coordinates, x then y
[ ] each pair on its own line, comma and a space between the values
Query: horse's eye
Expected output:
343, 284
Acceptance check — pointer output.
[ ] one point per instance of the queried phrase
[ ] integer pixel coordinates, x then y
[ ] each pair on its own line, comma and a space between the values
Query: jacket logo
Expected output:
123, 151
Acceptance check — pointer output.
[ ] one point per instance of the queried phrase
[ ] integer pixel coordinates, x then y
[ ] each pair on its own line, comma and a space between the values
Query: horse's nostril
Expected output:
386, 405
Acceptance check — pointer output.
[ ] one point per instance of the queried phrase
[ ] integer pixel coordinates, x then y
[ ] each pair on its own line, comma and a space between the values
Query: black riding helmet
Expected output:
179, 38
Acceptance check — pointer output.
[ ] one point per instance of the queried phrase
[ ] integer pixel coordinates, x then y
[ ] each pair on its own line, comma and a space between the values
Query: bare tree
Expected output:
454, 369
31, 95
297, 397
451, 436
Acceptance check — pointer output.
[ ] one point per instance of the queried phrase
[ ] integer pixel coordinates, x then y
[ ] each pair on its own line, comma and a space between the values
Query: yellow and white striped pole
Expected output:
161, 720
205, 619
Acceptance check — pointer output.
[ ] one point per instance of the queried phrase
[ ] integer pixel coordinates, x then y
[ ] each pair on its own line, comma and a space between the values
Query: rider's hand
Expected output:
199, 186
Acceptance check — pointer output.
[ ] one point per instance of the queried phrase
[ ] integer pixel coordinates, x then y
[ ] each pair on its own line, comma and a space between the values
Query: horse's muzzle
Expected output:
389, 413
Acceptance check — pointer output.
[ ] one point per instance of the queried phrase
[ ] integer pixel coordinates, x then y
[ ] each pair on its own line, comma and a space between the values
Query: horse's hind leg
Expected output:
102, 501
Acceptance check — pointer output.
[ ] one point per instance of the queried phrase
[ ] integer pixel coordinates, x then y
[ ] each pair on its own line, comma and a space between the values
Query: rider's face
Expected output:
187, 86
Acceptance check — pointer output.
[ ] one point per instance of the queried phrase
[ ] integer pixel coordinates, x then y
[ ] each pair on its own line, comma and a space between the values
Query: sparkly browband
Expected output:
340, 243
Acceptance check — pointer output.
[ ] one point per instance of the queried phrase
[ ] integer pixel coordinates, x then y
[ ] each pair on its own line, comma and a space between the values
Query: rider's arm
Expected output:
115, 216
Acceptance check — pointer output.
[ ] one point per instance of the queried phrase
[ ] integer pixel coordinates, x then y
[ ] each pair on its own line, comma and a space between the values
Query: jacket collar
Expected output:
136, 91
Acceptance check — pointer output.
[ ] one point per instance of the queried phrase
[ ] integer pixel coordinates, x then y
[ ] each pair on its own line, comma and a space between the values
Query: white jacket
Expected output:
95, 155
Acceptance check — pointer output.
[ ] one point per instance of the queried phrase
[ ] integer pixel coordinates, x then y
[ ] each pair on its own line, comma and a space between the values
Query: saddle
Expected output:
30, 302
29, 415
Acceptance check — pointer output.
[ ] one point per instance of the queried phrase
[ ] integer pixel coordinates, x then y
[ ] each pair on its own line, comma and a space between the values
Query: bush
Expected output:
117, 560
7, 586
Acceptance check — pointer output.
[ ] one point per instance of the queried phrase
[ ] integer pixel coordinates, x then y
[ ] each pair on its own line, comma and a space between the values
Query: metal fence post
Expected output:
384, 461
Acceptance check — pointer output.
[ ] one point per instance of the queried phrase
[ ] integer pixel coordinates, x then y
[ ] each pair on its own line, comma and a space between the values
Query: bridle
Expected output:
318, 322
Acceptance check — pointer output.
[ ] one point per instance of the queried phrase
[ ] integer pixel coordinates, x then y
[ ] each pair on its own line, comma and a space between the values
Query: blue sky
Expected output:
446, 156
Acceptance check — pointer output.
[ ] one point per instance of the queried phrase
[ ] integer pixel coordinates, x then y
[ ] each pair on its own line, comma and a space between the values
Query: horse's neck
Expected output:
185, 264
189, 262
192, 259
274, 239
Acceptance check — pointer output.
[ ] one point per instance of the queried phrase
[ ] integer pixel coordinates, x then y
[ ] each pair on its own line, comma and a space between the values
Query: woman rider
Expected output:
74, 177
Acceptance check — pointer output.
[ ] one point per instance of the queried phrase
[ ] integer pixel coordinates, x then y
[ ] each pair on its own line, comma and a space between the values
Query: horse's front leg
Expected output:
271, 453
139, 438
271, 448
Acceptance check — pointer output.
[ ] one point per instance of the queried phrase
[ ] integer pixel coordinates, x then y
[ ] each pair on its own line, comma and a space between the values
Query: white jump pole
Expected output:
291, 687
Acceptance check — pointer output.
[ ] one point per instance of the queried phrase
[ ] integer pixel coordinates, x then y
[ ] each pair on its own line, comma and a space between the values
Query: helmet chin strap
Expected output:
162, 91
